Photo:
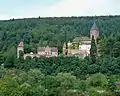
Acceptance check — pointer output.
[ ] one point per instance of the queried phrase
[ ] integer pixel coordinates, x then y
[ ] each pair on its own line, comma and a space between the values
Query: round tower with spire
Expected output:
94, 31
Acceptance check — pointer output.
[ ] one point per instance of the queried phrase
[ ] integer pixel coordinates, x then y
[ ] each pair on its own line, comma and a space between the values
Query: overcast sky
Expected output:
50, 8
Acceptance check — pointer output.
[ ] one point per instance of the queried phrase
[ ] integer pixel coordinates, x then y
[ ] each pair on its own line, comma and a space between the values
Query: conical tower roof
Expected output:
94, 27
21, 44
64, 45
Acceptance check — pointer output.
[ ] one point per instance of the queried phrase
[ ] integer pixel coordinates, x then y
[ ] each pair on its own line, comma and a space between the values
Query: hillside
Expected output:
59, 76
51, 31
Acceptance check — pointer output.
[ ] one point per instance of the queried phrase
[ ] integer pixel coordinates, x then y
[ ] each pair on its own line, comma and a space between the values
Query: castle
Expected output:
41, 51
81, 46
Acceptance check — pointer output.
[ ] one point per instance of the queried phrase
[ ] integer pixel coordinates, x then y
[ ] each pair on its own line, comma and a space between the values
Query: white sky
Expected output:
65, 8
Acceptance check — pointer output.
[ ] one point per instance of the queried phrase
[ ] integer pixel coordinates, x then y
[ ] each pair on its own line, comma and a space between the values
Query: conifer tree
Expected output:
93, 50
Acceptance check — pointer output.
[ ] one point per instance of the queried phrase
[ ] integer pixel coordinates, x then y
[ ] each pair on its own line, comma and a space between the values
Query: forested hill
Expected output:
51, 31
63, 75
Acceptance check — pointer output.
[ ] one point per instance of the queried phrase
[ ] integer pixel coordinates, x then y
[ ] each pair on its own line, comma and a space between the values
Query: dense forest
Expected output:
59, 76
51, 31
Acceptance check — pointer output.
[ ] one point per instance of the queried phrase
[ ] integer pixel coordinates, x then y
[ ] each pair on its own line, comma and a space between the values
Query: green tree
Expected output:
66, 81
110, 45
116, 49
21, 57
10, 58
98, 80
2, 58
111, 84
9, 87
93, 50
35, 77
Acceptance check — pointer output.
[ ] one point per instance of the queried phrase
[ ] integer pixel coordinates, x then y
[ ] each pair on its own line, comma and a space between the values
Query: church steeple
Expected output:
94, 31
94, 27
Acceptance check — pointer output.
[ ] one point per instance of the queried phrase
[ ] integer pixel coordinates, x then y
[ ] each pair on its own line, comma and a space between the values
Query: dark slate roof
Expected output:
41, 49
85, 38
94, 27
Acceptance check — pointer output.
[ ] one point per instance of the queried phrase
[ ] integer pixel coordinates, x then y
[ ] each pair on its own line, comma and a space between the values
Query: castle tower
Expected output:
20, 48
94, 31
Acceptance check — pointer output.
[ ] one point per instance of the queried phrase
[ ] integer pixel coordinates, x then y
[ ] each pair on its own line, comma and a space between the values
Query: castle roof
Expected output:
85, 38
41, 48
21, 44
94, 27
53, 49
80, 52
81, 38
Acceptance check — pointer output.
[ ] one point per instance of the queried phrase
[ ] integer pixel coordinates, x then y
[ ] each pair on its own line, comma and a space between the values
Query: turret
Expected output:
20, 48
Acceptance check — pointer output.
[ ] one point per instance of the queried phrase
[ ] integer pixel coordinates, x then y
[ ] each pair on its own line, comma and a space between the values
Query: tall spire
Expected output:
94, 27
94, 31
21, 44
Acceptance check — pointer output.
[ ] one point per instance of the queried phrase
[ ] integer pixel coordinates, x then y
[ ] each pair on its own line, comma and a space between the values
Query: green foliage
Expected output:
98, 80
66, 79
59, 76
9, 87
34, 83
10, 58
111, 84
79, 67
51, 31
93, 50
35, 76
2, 58
110, 45
116, 49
